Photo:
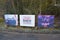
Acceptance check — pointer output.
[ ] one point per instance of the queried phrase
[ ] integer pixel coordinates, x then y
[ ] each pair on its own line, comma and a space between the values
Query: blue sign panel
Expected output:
45, 20
11, 20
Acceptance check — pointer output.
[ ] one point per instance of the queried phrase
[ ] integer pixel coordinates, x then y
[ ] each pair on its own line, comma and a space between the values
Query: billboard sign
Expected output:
45, 20
11, 19
27, 20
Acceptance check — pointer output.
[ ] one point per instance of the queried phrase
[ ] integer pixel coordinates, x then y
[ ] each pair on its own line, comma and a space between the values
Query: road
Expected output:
28, 36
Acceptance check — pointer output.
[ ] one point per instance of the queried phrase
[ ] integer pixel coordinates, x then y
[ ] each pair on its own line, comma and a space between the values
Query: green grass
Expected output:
1, 20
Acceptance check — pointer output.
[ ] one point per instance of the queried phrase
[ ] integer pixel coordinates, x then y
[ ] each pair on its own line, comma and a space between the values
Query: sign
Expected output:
27, 20
45, 20
11, 19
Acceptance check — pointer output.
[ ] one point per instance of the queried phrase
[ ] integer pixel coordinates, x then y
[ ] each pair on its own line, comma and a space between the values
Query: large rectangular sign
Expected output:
45, 20
11, 19
27, 20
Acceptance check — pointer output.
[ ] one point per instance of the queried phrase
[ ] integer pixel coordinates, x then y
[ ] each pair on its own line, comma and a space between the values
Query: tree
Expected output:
31, 7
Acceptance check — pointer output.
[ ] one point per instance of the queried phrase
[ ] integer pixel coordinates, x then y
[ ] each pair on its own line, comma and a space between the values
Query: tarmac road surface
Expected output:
28, 36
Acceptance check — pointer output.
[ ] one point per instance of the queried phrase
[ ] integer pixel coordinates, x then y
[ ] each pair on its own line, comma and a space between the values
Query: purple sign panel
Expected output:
45, 20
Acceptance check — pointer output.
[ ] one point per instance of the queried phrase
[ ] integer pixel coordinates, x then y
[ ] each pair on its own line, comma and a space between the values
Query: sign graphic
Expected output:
27, 20
11, 19
45, 20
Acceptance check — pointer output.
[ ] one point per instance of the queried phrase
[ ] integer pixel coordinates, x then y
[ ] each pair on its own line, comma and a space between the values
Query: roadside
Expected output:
3, 27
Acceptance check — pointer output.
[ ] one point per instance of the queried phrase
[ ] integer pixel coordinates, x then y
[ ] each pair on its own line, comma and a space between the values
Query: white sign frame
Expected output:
32, 18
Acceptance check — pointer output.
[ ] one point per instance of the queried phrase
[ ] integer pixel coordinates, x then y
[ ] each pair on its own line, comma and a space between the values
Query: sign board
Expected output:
11, 19
27, 20
45, 20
